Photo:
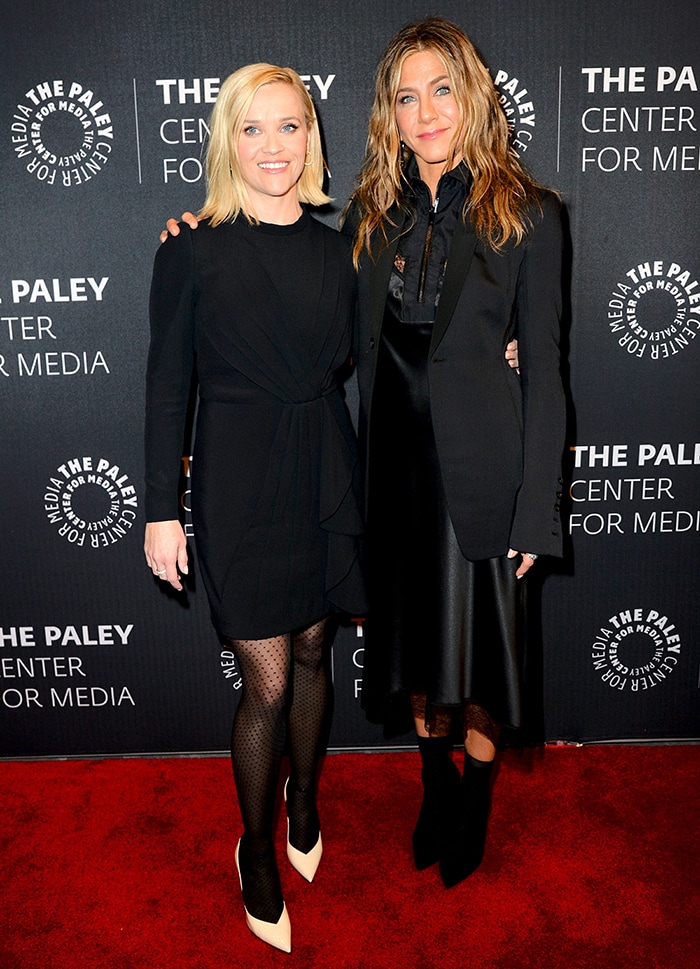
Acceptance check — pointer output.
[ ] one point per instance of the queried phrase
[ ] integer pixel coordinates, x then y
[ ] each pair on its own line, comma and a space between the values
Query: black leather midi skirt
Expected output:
439, 624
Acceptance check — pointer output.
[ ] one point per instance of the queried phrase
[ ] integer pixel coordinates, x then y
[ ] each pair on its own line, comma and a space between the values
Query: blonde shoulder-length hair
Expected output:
502, 194
227, 196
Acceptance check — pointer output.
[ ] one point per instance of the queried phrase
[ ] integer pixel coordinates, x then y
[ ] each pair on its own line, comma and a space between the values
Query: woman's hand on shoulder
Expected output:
172, 226
165, 548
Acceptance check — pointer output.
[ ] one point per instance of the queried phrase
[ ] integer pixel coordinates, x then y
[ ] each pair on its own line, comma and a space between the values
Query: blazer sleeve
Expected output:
537, 522
347, 230
169, 372
351, 221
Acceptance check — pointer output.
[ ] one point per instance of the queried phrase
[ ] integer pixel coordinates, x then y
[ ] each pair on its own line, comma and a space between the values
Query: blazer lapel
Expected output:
380, 271
458, 263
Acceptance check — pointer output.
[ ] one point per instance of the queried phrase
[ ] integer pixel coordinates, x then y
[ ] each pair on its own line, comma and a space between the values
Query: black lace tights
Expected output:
286, 684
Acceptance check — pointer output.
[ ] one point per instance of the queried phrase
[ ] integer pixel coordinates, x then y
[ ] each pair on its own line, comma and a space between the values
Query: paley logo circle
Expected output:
636, 650
62, 133
654, 310
91, 502
518, 108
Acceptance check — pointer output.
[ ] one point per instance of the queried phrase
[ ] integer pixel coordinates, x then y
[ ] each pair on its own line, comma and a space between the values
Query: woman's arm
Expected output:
168, 384
537, 526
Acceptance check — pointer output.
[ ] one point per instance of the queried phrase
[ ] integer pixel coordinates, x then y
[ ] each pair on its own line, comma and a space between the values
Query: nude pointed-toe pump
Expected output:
306, 863
277, 934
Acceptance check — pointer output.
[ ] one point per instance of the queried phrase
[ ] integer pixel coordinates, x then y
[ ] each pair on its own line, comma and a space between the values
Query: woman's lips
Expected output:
431, 135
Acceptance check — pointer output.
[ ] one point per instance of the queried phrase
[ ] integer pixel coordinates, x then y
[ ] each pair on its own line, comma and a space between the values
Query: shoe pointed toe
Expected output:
277, 934
305, 863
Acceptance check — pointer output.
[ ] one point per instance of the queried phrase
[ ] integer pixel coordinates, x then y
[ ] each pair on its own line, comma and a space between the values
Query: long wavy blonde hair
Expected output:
227, 196
502, 193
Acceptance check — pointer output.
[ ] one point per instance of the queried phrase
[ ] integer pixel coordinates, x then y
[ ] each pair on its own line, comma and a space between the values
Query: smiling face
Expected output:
427, 114
271, 152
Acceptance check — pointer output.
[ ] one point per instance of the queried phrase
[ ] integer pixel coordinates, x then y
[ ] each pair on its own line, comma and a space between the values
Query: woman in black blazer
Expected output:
458, 252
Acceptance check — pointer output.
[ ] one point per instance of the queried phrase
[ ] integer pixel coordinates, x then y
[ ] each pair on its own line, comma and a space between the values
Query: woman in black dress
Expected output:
258, 302
458, 251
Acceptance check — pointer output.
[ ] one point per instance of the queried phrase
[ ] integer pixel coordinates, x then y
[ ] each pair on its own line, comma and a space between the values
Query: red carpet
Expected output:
592, 861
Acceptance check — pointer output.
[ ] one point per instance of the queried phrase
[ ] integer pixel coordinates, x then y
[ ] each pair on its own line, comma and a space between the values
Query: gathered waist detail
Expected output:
257, 395
318, 431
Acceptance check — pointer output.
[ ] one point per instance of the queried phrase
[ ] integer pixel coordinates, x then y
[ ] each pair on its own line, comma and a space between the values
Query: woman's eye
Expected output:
406, 99
290, 127
251, 129
443, 89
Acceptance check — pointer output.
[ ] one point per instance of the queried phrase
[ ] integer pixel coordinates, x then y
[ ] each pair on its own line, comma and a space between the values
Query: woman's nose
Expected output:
426, 109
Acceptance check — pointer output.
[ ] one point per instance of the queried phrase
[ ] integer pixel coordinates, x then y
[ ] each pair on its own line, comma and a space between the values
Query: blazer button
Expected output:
372, 344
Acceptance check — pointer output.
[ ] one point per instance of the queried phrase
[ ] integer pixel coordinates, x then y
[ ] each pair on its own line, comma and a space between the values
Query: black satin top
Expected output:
421, 258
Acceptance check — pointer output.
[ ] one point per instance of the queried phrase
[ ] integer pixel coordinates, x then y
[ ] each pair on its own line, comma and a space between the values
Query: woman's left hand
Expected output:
528, 560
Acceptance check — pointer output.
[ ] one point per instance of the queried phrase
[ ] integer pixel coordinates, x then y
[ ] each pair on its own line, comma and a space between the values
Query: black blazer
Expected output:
499, 435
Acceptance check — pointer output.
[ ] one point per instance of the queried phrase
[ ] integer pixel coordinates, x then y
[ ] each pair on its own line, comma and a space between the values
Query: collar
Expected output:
460, 175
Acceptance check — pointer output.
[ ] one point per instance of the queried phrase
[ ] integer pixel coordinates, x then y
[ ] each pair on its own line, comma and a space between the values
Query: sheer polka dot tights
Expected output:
438, 720
286, 691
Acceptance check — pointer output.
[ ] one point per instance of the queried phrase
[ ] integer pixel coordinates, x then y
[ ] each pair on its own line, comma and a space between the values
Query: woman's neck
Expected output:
277, 211
432, 173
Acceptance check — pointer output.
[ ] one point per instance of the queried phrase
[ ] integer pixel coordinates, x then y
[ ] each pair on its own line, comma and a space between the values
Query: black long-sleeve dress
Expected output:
263, 315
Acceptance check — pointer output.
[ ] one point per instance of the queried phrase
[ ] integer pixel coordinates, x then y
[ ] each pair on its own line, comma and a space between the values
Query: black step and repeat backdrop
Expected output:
103, 124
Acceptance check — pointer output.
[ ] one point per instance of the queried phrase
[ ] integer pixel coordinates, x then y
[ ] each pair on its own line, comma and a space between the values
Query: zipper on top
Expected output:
427, 245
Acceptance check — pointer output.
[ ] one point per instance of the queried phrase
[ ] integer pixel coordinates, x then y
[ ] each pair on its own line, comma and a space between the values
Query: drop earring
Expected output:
310, 159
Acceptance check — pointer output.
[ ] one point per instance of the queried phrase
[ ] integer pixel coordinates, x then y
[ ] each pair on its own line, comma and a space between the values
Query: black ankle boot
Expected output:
440, 778
463, 853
